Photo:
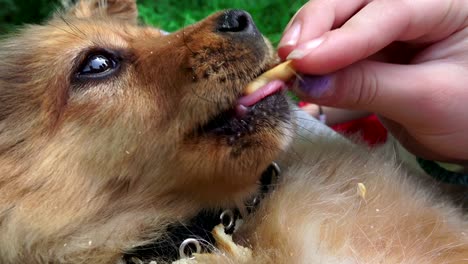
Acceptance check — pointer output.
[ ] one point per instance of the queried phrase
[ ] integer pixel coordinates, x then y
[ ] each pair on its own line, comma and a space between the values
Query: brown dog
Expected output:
111, 133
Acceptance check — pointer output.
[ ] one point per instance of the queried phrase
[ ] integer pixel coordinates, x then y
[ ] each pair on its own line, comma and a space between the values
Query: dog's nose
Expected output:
237, 21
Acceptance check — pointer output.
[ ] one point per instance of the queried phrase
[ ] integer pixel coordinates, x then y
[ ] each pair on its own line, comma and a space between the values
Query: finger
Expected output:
370, 30
411, 94
373, 28
314, 19
311, 109
434, 20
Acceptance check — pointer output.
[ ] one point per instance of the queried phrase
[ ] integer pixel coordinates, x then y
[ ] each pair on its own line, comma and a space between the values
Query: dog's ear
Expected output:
125, 10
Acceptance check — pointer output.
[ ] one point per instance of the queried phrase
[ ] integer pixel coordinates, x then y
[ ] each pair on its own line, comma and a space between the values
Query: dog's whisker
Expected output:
71, 33
73, 27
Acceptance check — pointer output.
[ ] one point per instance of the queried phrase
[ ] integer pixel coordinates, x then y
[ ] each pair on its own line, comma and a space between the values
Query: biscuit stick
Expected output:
283, 71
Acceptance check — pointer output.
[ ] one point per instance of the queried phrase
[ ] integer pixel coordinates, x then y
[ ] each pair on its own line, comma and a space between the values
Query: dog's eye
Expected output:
98, 66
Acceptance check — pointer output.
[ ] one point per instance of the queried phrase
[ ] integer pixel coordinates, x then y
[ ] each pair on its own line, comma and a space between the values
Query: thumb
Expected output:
404, 93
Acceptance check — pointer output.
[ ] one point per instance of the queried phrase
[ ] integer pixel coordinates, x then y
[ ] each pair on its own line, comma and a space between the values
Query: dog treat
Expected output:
283, 71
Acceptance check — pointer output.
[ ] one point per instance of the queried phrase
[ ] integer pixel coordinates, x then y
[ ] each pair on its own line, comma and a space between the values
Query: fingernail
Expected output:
304, 49
315, 86
291, 37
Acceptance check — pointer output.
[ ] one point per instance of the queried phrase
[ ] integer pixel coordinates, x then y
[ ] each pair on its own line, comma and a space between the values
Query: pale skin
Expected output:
406, 60
334, 115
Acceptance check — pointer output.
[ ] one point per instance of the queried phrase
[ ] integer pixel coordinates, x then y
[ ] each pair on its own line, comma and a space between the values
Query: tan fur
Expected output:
317, 215
92, 170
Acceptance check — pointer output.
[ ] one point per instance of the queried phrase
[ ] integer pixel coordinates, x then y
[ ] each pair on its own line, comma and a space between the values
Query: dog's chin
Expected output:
229, 153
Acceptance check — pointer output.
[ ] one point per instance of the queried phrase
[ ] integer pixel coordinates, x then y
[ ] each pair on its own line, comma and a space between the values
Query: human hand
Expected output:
333, 116
406, 60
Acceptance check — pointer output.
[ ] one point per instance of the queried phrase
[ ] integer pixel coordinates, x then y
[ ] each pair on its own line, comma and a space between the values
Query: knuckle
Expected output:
360, 85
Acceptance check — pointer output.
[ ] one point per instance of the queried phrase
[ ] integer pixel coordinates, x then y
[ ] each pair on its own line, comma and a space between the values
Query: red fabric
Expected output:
302, 104
371, 129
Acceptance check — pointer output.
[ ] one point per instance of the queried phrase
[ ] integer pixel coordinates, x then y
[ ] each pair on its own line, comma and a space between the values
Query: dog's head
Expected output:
110, 130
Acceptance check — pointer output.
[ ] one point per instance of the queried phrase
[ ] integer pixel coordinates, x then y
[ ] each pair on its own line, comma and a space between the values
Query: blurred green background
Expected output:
271, 16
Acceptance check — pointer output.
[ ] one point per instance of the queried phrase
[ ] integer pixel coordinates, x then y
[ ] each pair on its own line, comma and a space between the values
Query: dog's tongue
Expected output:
256, 96
264, 91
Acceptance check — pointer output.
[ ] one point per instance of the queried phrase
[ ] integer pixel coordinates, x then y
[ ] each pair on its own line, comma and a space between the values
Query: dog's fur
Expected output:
91, 169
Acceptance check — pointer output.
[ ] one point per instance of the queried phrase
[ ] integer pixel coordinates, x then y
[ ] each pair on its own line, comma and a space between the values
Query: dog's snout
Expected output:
236, 21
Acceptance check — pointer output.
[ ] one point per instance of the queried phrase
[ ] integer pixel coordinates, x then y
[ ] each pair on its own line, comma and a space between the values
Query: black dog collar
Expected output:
181, 240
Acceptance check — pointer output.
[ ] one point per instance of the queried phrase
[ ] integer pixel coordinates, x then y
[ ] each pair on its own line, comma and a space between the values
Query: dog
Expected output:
113, 135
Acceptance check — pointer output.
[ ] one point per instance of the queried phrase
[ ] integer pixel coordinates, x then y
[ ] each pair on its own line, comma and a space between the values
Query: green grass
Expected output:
271, 16
17, 12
